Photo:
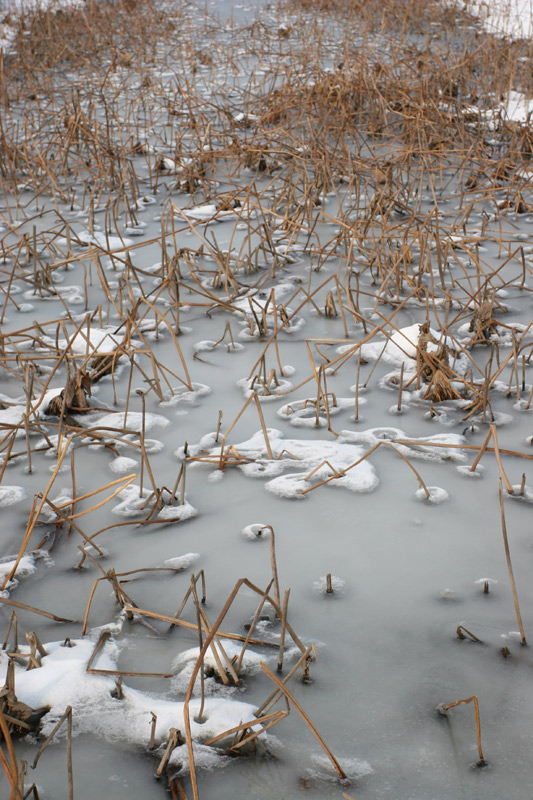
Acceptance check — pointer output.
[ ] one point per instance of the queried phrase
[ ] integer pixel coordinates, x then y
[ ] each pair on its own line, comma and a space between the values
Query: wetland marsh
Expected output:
265, 307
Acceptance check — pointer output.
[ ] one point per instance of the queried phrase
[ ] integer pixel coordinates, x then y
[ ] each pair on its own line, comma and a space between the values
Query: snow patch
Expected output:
9, 495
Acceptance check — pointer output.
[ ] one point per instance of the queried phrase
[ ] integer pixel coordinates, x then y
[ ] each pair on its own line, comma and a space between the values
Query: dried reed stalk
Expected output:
305, 657
274, 564
191, 626
61, 453
7, 601
290, 697
67, 716
283, 629
510, 567
251, 629
9, 761
274, 718
174, 740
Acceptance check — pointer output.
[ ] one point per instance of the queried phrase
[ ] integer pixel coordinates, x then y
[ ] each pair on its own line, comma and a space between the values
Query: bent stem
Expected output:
481, 762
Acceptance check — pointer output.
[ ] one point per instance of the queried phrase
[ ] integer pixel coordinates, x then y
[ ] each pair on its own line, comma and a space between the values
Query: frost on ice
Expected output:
182, 562
9, 495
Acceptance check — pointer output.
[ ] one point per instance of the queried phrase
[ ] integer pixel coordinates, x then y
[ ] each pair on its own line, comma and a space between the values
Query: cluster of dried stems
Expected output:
366, 149
17, 719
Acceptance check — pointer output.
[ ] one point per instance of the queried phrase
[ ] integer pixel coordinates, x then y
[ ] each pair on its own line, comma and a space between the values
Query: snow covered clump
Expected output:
294, 459
62, 680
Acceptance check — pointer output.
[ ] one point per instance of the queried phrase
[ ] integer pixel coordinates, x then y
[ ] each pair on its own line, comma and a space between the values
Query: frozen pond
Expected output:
267, 293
